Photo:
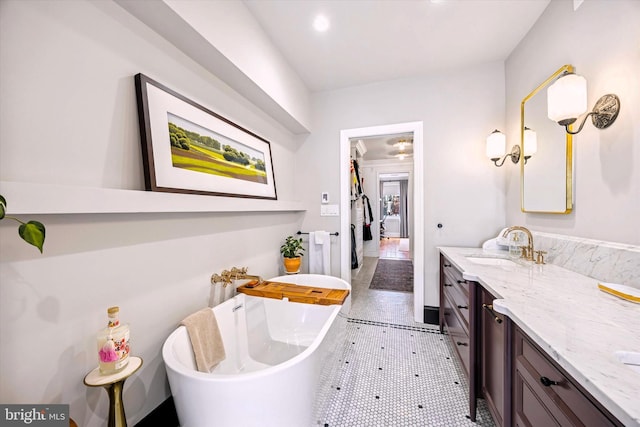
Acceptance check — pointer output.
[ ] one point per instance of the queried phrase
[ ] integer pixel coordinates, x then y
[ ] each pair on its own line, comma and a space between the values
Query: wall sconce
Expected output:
496, 145
567, 100
530, 143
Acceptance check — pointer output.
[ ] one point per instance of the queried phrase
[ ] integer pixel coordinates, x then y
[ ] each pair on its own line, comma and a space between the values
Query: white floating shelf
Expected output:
37, 198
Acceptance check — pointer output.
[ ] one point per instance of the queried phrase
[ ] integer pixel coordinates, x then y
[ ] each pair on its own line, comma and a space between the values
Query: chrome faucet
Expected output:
527, 251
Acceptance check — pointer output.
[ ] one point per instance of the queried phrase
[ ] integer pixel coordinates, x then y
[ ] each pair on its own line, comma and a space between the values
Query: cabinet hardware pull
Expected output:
547, 382
463, 306
462, 343
448, 284
446, 265
461, 282
489, 308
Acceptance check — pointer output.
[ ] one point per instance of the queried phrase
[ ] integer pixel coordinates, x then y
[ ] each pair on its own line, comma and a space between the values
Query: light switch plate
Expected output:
330, 210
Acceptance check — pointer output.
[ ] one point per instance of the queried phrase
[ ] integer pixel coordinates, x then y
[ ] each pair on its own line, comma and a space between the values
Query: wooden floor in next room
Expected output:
394, 248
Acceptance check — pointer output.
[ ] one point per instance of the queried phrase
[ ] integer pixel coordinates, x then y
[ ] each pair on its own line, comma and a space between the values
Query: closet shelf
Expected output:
37, 198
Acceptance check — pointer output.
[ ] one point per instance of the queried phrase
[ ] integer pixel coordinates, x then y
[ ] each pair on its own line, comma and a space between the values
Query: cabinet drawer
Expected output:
457, 333
458, 299
454, 277
457, 289
531, 411
563, 401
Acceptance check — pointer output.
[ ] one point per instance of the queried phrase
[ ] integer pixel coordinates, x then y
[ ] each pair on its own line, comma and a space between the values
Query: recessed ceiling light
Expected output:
403, 143
321, 23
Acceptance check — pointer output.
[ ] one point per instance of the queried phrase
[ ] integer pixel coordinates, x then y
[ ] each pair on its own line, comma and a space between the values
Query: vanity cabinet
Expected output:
545, 395
523, 386
494, 359
457, 318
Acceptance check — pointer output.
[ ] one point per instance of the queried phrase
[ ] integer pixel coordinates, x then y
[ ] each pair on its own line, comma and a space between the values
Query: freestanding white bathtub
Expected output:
274, 353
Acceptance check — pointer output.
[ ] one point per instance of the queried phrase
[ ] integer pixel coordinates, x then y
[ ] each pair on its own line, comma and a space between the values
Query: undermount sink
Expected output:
491, 261
629, 358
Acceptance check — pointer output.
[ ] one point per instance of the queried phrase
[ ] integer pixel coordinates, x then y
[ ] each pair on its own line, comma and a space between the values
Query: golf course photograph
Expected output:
198, 149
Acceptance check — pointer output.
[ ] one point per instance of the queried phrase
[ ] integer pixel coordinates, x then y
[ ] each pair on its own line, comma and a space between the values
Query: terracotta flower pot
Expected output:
292, 265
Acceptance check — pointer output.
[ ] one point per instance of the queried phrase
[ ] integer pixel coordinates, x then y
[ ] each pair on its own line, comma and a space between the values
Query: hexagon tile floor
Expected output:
392, 373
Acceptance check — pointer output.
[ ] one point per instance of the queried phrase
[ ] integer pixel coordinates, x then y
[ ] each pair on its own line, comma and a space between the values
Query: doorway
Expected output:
417, 185
395, 211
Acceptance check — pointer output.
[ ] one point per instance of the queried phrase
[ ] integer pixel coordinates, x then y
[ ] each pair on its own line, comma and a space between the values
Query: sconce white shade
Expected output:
567, 99
496, 144
530, 142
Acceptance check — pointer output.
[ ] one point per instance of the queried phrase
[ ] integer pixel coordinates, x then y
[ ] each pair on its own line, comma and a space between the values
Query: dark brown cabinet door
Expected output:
493, 357
545, 395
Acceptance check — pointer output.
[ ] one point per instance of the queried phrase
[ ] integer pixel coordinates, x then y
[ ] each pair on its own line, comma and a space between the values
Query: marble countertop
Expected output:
565, 313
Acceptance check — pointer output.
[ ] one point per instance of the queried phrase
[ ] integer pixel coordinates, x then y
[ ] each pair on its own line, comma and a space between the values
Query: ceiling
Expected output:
384, 147
370, 41
376, 40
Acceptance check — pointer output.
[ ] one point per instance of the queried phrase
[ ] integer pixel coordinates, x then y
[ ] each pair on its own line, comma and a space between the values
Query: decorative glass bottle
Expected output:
113, 344
515, 245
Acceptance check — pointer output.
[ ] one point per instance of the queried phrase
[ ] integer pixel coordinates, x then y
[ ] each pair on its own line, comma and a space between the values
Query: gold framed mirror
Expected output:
546, 175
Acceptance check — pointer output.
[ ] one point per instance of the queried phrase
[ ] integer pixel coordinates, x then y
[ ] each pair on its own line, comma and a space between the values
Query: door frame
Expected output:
418, 209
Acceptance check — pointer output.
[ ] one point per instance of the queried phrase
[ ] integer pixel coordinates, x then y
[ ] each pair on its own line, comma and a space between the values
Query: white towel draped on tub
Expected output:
320, 252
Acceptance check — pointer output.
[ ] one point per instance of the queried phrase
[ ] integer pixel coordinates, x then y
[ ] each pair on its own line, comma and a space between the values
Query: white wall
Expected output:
68, 114
463, 190
225, 38
240, 38
601, 39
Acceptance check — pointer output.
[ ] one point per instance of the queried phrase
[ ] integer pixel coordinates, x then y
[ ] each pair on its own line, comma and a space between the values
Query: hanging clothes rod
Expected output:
332, 234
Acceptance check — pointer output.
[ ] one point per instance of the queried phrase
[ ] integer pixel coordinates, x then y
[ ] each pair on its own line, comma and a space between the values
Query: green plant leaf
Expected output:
3, 206
33, 233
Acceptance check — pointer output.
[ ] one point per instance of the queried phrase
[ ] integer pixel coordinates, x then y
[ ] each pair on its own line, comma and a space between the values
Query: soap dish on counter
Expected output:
621, 291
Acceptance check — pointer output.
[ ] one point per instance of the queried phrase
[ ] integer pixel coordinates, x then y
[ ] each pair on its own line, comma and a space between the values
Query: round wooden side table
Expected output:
113, 384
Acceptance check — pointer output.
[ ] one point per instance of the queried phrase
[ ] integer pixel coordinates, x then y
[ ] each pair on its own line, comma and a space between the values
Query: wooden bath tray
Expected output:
295, 293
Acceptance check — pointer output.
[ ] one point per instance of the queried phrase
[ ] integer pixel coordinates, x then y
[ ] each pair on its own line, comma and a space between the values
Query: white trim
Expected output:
418, 211
39, 198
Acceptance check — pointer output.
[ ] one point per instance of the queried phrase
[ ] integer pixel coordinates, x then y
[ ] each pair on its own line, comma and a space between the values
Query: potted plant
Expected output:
292, 254
32, 232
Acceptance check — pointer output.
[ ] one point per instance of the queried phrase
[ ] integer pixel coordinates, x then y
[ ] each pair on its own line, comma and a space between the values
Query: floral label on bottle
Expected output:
115, 352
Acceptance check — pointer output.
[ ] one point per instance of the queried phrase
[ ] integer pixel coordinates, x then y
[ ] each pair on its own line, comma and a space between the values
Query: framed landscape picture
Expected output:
187, 148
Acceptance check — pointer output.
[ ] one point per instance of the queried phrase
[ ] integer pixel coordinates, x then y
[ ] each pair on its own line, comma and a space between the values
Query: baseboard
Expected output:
164, 415
431, 315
